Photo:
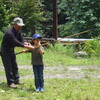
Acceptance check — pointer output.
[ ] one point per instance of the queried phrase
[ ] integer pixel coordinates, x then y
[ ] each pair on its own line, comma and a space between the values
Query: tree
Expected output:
47, 22
84, 15
30, 12
4, 16
78, 15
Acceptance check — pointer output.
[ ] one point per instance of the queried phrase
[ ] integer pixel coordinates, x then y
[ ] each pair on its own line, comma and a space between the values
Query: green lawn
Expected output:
55, 89
61, 82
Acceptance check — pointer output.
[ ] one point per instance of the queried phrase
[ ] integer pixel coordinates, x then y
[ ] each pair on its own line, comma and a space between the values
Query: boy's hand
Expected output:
24, 51
39, 43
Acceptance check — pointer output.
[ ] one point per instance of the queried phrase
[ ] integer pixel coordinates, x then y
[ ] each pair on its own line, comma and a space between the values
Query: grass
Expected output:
62, 56
58, 59
24, 72
55, 89
60, 82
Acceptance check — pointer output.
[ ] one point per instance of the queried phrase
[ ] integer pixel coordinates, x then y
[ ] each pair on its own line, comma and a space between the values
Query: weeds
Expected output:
61, 87
56, 89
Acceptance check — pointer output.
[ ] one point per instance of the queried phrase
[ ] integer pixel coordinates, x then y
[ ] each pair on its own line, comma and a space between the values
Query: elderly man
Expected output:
11, 39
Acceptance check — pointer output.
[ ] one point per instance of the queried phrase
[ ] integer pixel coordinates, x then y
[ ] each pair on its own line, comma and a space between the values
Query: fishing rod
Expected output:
62, 38
34, 48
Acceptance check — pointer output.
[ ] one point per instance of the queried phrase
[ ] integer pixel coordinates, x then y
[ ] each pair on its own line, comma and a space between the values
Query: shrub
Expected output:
92, 47
58, 47
1, 34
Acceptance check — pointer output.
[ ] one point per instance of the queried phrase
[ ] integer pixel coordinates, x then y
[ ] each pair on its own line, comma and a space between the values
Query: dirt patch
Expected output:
70, 72
73, 72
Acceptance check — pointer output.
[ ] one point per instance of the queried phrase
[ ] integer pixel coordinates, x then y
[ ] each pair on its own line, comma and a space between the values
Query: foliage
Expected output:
30, 12
92, 47
46, 30
4, 16
62, 12
84, 15
4, 29
75, 16
58, 47
64, 29
1, 34
48, 15
46, 26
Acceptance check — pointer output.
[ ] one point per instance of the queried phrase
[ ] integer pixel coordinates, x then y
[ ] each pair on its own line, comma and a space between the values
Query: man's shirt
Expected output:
12, 39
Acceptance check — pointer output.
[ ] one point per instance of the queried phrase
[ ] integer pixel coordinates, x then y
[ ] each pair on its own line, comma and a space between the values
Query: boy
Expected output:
37, 62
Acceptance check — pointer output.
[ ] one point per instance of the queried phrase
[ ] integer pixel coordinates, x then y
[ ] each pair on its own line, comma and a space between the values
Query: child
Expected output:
37, 62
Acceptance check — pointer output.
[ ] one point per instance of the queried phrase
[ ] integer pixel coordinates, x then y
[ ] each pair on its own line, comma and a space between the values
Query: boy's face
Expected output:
36, 41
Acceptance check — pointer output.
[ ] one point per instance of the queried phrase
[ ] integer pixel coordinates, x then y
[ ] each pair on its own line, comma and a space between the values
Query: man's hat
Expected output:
18, 21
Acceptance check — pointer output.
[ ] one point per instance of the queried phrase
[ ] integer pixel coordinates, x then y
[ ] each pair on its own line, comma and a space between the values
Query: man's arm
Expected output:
14, 41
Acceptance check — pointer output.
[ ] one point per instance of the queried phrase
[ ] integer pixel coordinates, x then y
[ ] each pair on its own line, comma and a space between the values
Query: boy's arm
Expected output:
41, 50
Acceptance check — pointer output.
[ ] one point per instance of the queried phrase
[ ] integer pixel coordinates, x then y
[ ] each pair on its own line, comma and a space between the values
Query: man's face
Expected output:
17, 27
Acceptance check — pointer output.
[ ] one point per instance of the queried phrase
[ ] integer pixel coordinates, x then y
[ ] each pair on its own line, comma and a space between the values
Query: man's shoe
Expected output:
18, 83
13, 86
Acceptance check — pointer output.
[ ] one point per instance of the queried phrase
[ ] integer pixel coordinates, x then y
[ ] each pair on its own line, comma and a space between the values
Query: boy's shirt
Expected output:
37, 58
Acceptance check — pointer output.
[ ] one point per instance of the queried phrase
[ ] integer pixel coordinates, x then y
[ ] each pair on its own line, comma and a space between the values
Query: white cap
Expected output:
18, 21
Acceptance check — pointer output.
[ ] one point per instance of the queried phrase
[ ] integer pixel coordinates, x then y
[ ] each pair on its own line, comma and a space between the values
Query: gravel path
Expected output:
68, 72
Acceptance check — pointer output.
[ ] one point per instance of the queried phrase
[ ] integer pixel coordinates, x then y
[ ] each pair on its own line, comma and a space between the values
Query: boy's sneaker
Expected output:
42, 89
13, 86
38, 89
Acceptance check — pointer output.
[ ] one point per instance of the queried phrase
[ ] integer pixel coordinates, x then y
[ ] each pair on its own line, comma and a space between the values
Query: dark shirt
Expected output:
12, 39
37, 58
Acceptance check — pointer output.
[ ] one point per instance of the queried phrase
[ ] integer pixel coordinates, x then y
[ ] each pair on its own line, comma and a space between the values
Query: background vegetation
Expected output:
81, 15
73, 16
60, 55
61, 82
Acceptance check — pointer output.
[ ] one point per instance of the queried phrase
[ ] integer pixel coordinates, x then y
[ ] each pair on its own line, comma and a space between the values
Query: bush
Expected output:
58, 47
92, 47
1, 34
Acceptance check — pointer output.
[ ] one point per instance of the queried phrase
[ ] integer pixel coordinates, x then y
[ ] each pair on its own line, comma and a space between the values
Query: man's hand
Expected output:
27, 43
29, 47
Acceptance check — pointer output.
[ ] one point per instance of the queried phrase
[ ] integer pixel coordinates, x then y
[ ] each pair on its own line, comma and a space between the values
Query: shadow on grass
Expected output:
4, 86
31, 90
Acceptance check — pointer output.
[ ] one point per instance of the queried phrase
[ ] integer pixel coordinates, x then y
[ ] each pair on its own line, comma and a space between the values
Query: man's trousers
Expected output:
10, 65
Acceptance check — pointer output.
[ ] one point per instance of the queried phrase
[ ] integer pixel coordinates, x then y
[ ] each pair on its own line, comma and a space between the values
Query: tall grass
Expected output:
92, 47
86, 88
58, 55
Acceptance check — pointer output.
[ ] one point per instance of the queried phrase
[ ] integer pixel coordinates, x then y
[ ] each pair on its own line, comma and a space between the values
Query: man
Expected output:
11, 39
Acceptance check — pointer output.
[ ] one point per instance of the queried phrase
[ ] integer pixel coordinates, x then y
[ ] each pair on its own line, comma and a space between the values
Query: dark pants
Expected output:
10, 65
38, 75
